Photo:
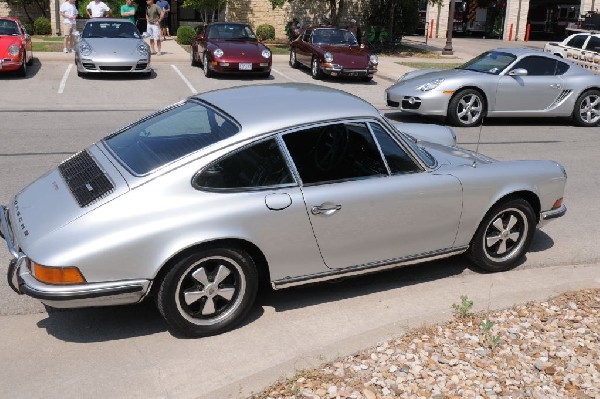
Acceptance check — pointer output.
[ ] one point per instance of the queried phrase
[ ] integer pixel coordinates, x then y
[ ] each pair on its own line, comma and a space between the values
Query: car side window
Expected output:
257, 166
537, 66
306, 35
593, 44
397, 159
334, 152
561, 67
577, 41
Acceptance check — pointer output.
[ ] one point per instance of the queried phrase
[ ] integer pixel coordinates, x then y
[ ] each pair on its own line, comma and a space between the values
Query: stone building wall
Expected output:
7, 10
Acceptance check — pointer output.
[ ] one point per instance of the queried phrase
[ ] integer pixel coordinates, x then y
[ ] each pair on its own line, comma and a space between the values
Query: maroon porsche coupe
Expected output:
332, 51
230, 48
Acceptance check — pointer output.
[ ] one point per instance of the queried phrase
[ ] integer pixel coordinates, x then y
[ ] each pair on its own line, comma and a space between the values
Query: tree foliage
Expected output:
396, 17
335, 7
207, 8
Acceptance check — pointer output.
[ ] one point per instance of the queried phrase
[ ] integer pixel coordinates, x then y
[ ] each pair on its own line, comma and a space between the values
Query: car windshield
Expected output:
230, 31
8, 28
492, 62
168, 136
336, 37
120, 29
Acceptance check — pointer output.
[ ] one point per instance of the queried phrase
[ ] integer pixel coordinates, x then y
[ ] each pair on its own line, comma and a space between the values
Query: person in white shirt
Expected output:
97, 9
69, 13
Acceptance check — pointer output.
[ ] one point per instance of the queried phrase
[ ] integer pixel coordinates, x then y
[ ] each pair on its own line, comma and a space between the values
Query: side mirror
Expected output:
145, 35
518, 72
201, 36
76, 33
261, 38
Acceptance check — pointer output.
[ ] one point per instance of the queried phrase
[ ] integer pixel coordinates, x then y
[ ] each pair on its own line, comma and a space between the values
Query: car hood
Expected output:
114, 46
438, 134
427, 75
6, 41
347, 55
237, 47
47, 204
455, 156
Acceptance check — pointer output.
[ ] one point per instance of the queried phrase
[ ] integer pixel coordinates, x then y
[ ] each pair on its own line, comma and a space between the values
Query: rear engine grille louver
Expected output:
85, 179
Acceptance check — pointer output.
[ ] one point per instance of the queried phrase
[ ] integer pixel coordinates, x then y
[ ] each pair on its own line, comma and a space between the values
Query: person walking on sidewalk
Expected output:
128, 11
69, 13
154, 16
164, 25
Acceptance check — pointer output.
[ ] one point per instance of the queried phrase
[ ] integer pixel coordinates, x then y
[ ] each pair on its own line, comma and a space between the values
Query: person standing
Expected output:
164, 25
154, 16
69, 13
98, 9
128, 10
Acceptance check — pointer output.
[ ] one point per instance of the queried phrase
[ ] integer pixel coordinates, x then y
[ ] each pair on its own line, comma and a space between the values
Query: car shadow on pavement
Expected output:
438, 120
118, 76
32, 70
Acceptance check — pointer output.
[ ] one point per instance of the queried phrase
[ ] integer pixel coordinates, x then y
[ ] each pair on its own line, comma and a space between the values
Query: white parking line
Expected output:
283, 74
63, 82
187, 82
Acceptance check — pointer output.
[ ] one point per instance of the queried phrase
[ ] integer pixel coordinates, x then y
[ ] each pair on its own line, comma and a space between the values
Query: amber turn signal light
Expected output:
57, 275
557, 203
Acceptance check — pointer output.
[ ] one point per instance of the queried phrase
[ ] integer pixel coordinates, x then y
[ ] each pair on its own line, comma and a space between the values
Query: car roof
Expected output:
108, 20
265, 108
10, 19
520, 51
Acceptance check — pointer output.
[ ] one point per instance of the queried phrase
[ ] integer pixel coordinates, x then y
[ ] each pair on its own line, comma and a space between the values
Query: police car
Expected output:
581, 48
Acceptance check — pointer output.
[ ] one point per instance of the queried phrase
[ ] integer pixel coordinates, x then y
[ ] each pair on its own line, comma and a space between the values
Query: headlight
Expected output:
218, 53
142, 50
374, 59
431, 85
266, 54
328, 57
14, 50
85, 49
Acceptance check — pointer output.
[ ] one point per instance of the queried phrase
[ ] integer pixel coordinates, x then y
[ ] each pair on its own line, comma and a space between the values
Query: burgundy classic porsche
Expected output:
15, 47
332, 51
230, 48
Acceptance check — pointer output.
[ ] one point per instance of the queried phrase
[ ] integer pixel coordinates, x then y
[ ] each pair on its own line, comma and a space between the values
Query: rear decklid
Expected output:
80, 184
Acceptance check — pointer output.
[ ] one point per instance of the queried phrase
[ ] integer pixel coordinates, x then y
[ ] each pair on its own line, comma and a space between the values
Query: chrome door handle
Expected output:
555, 86
325, 209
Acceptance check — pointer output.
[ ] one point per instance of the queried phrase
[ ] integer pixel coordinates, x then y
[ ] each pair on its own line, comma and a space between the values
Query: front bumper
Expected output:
99, 65
22, 281
547, 216
339, 70
433, 102
10, 64
224, 66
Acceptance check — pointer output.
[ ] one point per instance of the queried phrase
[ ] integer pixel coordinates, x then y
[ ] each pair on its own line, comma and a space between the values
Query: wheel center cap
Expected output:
211, 290
504, 234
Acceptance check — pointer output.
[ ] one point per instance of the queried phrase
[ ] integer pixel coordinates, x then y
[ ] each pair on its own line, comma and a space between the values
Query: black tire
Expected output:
504, 236
30, 62
207, 72
466, 108
193, 59
293, 60
315, 69
22, 71
587, 109
220, 285
265, 75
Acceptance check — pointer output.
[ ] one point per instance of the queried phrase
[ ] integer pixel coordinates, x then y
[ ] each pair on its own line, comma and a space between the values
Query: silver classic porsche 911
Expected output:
501, 83
197, 204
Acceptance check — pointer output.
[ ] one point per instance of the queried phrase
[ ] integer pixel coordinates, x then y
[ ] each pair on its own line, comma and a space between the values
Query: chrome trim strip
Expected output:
6, 232
547, 216
366, 268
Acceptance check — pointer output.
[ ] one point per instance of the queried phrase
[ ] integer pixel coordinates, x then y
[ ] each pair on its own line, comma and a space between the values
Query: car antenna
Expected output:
478, 140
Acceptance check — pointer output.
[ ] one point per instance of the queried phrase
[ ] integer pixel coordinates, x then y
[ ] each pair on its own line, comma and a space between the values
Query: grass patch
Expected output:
43, 47
279, 49
48, 38
427, 65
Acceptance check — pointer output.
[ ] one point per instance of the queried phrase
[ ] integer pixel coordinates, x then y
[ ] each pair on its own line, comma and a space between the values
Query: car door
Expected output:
534, 92
303, 48
258, 200
365, 209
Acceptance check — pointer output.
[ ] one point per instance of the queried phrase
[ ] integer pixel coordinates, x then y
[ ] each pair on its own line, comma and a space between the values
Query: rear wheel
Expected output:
504, 236
587, 109
208, 292
466, 108
316, 69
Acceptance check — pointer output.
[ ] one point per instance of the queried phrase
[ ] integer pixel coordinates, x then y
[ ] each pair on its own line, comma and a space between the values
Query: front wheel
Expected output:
22, 71
466, 108
587, 109
293, 60
193, 60
207, 72
316, 69
208, 292
504, 236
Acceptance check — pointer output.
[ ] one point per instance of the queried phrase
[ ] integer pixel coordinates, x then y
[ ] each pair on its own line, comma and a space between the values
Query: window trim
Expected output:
409, 152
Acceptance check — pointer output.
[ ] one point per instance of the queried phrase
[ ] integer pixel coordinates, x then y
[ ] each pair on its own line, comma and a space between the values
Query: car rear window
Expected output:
169, 135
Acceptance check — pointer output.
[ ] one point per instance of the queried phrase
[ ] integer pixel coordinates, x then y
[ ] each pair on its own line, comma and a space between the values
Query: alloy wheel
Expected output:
589, 110
505, 234
470, 108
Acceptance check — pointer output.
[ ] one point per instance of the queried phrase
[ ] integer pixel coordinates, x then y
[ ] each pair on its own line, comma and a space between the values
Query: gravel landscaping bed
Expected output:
537, 350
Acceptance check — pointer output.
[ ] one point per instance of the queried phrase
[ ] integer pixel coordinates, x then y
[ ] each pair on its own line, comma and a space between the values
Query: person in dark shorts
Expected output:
164, 24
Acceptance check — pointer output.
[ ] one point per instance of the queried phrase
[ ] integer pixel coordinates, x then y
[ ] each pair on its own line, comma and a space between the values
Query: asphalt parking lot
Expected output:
127, 352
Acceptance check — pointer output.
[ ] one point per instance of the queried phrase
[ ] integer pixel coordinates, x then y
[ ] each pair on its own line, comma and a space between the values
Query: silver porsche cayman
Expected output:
199, 203
109, 45
503, 82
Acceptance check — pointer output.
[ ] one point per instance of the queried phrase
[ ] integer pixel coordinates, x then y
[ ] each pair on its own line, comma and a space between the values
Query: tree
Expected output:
335, 8
207, 8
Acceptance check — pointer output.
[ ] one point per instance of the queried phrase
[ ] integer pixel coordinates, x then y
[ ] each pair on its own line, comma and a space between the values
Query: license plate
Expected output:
245, 66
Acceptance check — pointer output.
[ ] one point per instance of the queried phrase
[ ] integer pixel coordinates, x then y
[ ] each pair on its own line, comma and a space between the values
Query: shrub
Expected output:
185, 34
41, 26
28, 27
266, 31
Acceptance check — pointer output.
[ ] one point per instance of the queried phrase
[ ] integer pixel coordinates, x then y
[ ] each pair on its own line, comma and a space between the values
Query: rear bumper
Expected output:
22, 281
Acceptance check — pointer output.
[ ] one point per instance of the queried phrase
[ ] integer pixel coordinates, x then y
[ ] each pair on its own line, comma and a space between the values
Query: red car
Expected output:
230, 48
332, 51
15, 46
